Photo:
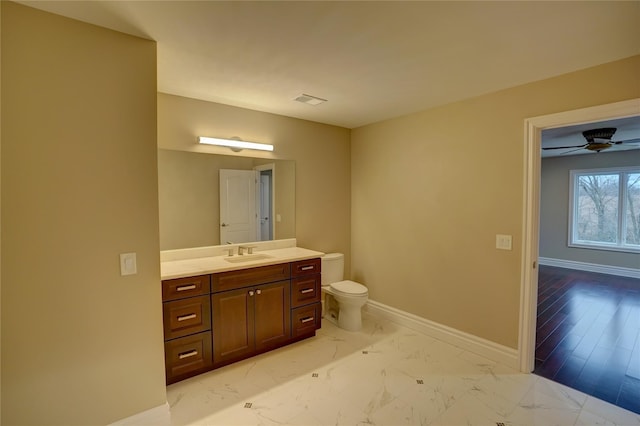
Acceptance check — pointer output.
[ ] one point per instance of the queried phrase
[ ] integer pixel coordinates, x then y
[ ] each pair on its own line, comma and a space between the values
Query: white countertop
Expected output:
208, 265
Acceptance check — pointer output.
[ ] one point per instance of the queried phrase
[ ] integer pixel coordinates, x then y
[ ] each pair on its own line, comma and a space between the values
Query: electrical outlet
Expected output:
503, 242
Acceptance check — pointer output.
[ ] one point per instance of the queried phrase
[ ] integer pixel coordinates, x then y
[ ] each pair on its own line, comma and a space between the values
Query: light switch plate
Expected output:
503, 242
128, 264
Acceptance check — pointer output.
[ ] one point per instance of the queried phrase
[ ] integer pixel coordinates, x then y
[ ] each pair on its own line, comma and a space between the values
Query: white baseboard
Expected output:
157, 416
590, 267
488, 349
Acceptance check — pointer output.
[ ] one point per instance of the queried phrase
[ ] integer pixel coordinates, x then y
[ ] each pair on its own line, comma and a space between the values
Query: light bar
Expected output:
235, 144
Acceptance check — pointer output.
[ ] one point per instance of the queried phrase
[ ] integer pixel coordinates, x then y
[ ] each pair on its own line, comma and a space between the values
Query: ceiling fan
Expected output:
597, 140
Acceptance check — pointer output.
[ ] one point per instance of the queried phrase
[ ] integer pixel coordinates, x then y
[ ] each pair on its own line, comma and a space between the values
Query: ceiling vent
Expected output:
310, 100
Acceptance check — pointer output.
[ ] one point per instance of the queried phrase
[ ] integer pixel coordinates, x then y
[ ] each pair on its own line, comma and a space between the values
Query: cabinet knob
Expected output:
251, 293
258, 291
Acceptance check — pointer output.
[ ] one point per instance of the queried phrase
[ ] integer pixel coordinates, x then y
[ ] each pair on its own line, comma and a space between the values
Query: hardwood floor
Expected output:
588, 333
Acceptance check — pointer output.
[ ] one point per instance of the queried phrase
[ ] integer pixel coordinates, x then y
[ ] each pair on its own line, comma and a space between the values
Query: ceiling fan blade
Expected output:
627, 142
567, 147
573, 150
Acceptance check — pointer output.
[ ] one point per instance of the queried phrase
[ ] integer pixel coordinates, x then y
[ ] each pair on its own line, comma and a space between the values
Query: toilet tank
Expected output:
332, 268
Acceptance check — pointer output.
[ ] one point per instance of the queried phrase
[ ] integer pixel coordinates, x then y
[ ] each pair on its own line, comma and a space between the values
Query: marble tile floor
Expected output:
385, 374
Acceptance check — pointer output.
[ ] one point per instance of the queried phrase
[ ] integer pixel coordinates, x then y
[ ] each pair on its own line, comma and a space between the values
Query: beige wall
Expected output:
321, 153
285, 194
80, 343
431, 190
554, 208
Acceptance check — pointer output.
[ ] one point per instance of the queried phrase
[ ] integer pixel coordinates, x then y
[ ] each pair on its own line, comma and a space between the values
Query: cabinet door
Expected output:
233, 325
272, 314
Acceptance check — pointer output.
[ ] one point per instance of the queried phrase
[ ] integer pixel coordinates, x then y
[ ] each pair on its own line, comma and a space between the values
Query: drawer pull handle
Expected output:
186, 317
307, 319
187, 354
186, 287
307, 268
307, 290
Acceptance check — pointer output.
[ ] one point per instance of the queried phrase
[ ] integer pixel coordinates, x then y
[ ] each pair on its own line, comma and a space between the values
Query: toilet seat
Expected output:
349, 288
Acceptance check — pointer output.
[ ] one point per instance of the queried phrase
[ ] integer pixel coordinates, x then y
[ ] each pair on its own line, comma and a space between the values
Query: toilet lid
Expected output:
349, 287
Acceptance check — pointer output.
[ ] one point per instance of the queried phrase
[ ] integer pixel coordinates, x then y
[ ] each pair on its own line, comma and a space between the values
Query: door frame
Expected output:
531, 210
272, 213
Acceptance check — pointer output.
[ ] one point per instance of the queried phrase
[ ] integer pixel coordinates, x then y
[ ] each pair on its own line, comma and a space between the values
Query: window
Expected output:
605, 209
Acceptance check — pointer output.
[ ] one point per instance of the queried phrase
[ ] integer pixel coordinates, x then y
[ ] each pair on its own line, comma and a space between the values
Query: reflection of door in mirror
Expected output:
238, 207
246, 205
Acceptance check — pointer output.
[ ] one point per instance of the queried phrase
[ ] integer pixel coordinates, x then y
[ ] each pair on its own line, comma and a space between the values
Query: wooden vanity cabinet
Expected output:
213, 320
186, 312
306, 312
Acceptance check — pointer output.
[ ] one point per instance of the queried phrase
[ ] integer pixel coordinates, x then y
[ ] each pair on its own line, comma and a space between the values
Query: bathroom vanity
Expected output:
219, 309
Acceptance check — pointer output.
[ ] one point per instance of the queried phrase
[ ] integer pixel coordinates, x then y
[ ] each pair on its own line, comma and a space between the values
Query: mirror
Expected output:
189, 190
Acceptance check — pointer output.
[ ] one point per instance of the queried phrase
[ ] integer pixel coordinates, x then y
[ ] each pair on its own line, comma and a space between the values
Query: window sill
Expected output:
605, 247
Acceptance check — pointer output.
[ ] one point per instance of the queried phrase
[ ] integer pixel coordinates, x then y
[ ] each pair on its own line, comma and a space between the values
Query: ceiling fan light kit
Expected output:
604, 133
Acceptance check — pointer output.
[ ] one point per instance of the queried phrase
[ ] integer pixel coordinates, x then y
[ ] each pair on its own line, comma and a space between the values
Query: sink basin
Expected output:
247, 258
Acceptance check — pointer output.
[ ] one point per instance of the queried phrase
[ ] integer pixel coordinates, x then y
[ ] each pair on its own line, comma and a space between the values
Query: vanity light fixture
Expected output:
235, 145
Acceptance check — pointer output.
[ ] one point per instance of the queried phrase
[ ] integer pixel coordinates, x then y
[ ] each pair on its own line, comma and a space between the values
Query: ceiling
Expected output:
627, 129
372, 61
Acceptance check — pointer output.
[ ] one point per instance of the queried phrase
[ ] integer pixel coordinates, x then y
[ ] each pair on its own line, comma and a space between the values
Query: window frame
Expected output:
620, 245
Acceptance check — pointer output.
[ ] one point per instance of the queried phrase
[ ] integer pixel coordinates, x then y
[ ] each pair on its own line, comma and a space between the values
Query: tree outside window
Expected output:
632, 211
606, 209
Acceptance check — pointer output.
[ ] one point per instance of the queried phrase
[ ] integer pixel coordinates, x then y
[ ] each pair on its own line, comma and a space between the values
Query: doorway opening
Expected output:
531, 214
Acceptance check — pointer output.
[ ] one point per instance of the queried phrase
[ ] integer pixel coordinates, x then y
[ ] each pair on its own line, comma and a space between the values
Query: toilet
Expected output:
342, 299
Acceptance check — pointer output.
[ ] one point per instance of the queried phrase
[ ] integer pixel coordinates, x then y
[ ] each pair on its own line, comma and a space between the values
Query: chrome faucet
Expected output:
249, 250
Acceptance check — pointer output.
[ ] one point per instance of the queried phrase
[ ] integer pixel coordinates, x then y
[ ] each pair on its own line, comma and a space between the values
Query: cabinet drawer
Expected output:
306, 320
305, 290
248, 277
186, 316
187, 355
181, 288
305, 267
